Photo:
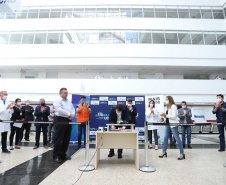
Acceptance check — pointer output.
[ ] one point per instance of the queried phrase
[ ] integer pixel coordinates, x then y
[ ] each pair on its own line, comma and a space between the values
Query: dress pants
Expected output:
27, 128
38, 132
80, 128
221, 132
63, 135
13, 131
155, 135
4, 140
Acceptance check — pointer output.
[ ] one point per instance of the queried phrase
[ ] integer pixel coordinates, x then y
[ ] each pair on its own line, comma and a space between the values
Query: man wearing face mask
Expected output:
41, 112
83, 111
185, 115
6, 109
132, 112
220, 110
27, 115
118, 113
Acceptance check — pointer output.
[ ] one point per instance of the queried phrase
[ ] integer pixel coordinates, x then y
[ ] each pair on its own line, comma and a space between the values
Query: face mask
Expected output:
19, 103
130, 105
183, 106
151, 105
167, 102
27, 103
118, 113
218, 100
43, 104
4, 97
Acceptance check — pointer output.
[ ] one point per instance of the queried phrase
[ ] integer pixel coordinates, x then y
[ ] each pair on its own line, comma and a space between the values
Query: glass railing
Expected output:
113, 37
186, 12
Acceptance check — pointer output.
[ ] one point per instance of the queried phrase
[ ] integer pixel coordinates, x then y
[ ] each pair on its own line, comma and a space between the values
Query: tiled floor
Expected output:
203, 165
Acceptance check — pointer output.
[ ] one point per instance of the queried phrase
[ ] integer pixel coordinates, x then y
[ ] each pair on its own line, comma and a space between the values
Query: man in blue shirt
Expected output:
220, 110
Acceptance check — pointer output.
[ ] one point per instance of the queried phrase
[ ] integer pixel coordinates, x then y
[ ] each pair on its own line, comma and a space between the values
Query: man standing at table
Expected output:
64, 112
6, 109
118, 113
83, 111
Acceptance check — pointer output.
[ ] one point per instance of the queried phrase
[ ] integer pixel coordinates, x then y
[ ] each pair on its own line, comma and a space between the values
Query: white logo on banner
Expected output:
95, 102
121, 98
103, 98
112, 103
139, 98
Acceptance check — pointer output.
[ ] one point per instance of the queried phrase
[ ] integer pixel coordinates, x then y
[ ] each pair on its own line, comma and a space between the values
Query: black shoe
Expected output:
181, 158
27, 139
6, 151
57, 160
111, 154
189, 146
65, 158
78, 147
183, 146
221, 150
161, 156
119, 156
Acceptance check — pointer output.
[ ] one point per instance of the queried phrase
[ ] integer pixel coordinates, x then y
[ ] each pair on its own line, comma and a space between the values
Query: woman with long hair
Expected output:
171, 117
151, 116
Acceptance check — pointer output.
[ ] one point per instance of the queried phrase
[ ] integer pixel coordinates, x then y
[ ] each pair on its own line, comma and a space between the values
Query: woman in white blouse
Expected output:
171, 117
151, 117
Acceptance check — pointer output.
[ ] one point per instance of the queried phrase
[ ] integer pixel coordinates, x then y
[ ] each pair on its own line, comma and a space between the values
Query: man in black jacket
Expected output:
27, 114
132, 112
118, 113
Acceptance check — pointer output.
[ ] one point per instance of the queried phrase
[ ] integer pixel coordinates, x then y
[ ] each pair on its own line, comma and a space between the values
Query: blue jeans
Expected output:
176, 135
172, 138
183, 130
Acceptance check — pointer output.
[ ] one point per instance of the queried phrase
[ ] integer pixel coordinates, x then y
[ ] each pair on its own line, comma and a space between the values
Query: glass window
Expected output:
4, 38
171, 38
40, 38
55, 14
172, 13
145, 37
218, 14
206, 14
43, 15
92, 37
125, 12
119, 37
221, 38
158, 37
28, 38
183, 13
72, 37
21, 15
32, 15
137, 12
15, 38
197, 38
210, 39
195, 13
67, 15
90, 12
160, 13
2, 15
149, 12
106, 37
113, 12
131, 37
10, 15
101, 12
184, 38
53, 38
78, 12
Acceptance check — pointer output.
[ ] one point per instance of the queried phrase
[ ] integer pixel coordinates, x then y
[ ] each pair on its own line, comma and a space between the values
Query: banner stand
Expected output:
87, 166
146, 168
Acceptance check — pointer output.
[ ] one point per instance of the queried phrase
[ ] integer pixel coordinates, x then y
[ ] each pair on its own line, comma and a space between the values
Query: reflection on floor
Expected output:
28, 166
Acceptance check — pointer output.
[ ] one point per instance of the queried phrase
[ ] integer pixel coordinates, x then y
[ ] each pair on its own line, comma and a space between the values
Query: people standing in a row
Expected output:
220, 110
171, 117
27, 115
41, 112
151, 117
185, 115
64, 112
6, 109
83, 111
16, 127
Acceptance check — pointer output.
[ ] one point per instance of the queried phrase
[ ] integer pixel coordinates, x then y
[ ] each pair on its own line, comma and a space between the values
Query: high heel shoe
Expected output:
181, 157
161, 156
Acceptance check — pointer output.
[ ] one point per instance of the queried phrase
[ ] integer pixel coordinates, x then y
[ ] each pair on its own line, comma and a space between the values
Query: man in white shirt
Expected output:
6, 109
64, 112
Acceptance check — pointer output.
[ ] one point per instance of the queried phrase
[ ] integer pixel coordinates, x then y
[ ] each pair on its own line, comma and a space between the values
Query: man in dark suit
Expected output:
41, 112
132, 112
118, 113
185, 115
27, 114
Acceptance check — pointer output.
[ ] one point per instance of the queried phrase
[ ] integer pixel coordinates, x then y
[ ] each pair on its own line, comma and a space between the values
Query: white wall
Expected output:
10, 75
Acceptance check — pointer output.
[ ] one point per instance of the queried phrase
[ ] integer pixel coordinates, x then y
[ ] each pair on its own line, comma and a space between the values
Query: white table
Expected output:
117, 140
